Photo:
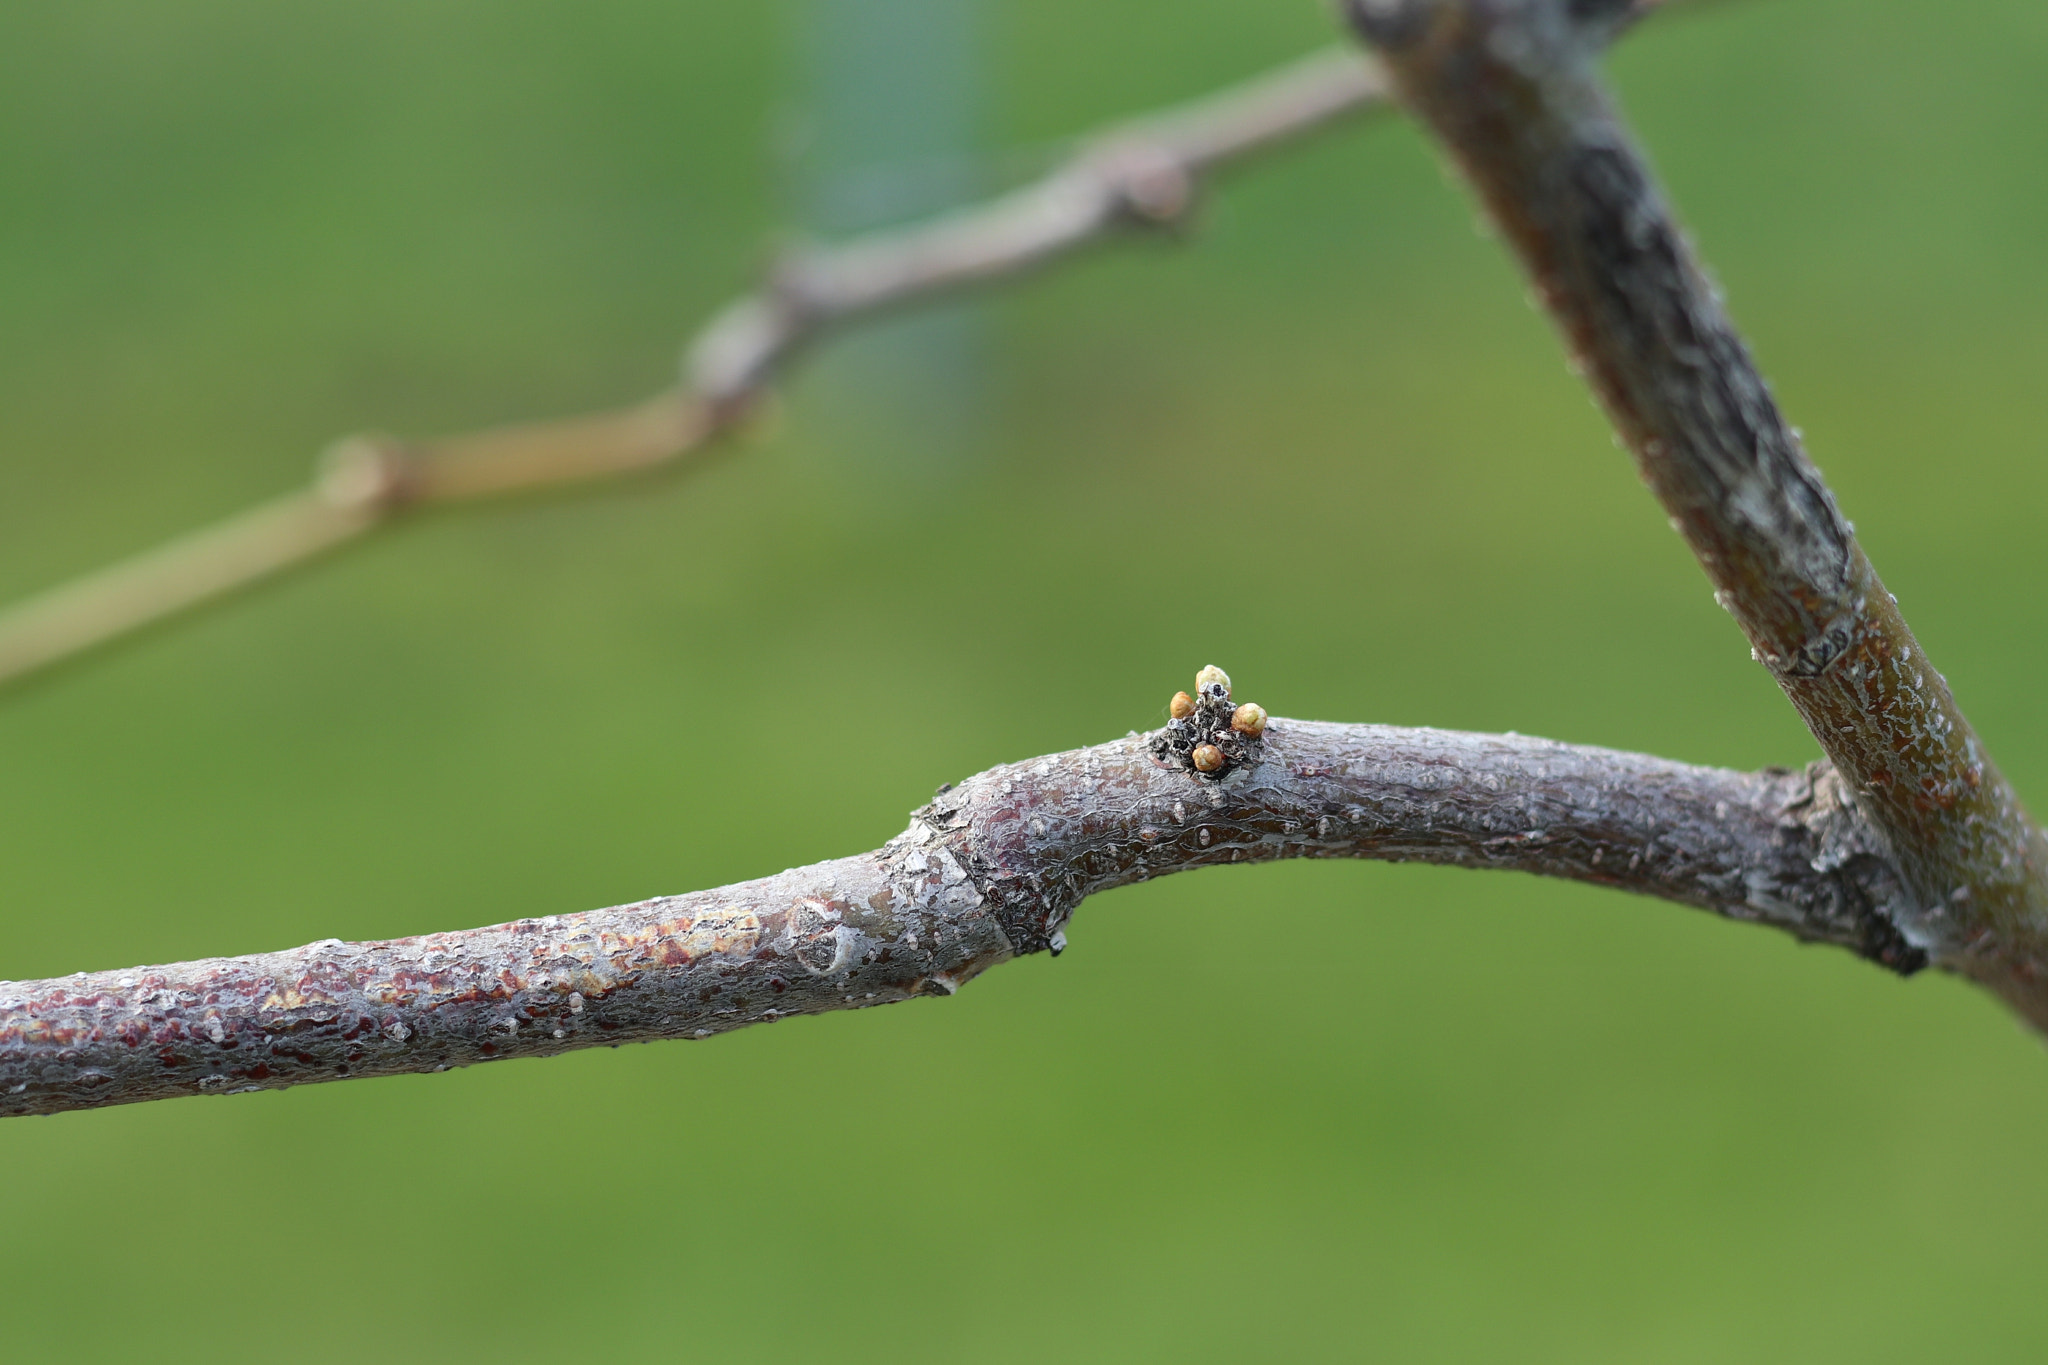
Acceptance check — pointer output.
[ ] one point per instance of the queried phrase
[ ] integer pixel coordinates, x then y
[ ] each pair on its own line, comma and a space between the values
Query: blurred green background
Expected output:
1323, 443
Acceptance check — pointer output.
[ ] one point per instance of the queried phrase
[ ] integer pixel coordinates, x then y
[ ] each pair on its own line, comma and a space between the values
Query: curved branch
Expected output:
993, 868
1137, 174
1509, 87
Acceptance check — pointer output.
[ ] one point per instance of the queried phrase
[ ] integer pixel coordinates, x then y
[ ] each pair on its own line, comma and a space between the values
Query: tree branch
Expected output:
1509, 87
1918, 851
1137, 174
992, 869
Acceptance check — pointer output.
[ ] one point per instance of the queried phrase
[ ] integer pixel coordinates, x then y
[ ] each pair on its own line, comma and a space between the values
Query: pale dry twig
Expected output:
1139, 173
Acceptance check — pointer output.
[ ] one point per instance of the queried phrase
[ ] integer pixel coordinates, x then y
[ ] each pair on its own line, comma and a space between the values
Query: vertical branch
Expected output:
1509, 87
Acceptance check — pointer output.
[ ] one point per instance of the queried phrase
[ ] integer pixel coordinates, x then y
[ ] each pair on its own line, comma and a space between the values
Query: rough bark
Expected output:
1509, 87
993, 868
1907, 846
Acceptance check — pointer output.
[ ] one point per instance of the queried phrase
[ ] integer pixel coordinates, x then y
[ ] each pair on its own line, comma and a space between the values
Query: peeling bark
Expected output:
992, 868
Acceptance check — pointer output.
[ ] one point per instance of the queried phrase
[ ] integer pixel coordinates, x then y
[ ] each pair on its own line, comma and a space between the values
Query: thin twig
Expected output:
1510, 88
1139, 173
992, 869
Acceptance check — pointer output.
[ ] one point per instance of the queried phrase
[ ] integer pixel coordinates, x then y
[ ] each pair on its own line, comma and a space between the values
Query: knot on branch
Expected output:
365, 473
1207, 735
1865, 904
1390, 24
728, 364
1152, 186
1515, 29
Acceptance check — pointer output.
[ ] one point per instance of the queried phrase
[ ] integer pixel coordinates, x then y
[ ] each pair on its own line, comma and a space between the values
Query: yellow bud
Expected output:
1181, 707
1208, 758
1249, 719
1212, 677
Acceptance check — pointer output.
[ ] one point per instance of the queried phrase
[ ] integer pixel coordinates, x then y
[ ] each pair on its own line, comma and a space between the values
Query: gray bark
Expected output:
1905, 846
1510, 88
992, 868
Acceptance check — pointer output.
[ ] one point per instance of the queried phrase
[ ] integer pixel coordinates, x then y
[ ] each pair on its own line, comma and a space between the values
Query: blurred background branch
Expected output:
1315, 1109
1137, 174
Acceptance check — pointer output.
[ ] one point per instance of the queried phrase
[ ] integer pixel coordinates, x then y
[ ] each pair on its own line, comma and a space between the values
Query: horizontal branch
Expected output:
1510, 88
1137, 174
993, 868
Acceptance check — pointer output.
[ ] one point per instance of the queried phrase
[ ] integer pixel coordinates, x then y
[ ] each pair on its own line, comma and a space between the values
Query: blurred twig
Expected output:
1138, 173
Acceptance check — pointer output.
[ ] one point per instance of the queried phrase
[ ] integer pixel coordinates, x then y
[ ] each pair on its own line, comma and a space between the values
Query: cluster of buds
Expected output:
1206, 734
